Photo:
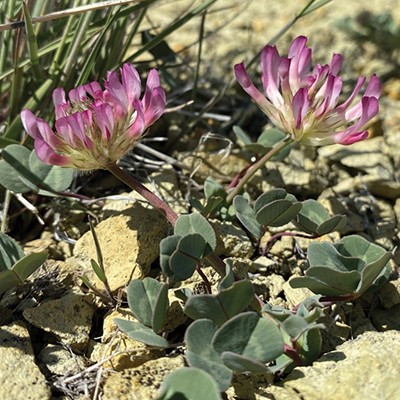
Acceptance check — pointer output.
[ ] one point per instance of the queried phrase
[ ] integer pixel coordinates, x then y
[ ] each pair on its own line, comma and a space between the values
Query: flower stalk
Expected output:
154, 200
256, 166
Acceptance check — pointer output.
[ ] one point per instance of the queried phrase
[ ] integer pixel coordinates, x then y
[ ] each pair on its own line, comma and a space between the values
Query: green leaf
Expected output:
278, 213
15, 163
249, 336
52, 176
21, 171
160, 310
167, 247
242, 364
189, 384
222, 306
28, 264
276, 207
21, 270
148, 301
269, 138
229, 279
200, 353
98, 271
335, 223
196, 223
325, 254
212, 188
314, 218
189, 251
8, 280
327, 281
268, 197
10, 252
241, 135
141, 333
247, 216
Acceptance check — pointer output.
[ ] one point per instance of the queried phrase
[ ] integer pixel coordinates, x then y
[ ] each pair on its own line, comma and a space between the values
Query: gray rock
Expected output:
20, 377
68, 318
142, 382
129, 243
60, 361
365, 368
232, 241
295, 296
389, 294
385, 320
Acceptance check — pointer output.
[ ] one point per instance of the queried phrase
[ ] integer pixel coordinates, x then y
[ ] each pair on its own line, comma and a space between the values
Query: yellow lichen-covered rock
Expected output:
142, 382
121, 351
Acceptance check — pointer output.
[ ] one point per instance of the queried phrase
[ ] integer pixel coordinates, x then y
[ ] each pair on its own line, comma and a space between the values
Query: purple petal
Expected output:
152, 82
248, 86
156, 106
270, 63
297, 46
117, 90
131, 82
346, 104
300, 106
336, 64
105, 120
138, 125
374, 87
59, 96
300, 62
46, 154
29, 121
60, 103
351, 138
369, 108
64, 130
332, 89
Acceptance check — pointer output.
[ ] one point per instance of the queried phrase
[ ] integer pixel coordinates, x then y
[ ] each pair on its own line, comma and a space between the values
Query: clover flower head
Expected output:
303, 101
96, 127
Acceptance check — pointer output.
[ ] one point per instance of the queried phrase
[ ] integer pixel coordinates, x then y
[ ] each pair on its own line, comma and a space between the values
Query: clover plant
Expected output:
345, 269
15, 266
277, 208
148, 301
229, 329
21, 171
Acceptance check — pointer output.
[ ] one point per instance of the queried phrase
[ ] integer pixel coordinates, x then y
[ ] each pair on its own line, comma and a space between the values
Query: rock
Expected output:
249, 386
142, 382
129, 243
269, 287
47, 243
163, 183
389, 294
59, 361
232, 241
214, 164
125, 351
294, 179
385, 320
282, 247
264, 264
20, 377
364, 368
69, 319
295, 296
166, 185
175, 316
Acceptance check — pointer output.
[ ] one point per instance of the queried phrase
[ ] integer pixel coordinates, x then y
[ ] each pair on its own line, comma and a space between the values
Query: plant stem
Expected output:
271, 241
256, 166
154, 200
162, 206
